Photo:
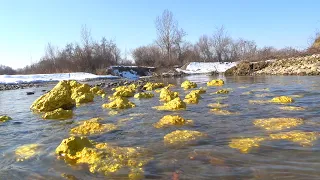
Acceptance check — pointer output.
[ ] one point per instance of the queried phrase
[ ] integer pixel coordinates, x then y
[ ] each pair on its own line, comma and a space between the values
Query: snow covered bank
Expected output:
38, 78
206, 67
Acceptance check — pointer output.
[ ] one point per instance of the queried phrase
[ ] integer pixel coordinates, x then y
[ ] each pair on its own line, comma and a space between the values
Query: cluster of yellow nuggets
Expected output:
57, 103
104, 158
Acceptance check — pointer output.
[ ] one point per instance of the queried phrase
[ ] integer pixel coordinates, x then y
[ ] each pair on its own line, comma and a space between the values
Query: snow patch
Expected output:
207, 67
38, 78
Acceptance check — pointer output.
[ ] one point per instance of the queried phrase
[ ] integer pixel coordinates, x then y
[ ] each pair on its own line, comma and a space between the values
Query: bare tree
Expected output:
205, 48
169, 35
221, 43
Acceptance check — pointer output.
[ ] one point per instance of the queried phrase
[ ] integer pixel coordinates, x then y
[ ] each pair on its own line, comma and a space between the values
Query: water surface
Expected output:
272, 160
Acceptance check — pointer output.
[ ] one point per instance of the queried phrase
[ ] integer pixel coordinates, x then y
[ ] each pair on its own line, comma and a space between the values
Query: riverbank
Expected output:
301, 66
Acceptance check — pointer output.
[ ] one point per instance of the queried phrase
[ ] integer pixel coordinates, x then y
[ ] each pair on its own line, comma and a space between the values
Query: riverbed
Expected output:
208, 158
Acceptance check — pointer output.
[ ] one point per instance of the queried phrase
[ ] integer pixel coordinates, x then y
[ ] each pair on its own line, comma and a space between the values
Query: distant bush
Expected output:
6, 70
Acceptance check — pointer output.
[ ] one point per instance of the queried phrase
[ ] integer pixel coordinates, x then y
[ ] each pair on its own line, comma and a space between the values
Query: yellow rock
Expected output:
292, 108
300, 137
218, 105
244, 145
152, 86
217, 82
124, 93
193, 97
247, 93
175, 104
64, 95
131, 87
92, 126
58, 114
112, 113
219, 111
143, 95
119, 103
188, 84
26, 151
97, 91
170, 120
102, 157
167, 95
222, 91
58, 97
5, 118
182, 136
282, 99
276, 124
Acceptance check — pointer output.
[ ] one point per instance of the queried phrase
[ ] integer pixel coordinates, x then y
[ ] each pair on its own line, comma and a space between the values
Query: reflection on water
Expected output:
208, 158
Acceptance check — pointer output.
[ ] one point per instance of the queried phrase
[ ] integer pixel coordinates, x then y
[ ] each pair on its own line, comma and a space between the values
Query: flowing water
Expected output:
208, 158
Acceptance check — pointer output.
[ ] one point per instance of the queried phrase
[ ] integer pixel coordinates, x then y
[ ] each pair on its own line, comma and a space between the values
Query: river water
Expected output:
208, 158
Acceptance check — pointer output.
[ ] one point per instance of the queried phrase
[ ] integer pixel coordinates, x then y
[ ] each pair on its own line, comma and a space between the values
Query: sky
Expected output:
27, 26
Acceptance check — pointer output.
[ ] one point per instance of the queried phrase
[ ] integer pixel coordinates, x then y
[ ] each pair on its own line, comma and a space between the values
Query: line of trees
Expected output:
170, 48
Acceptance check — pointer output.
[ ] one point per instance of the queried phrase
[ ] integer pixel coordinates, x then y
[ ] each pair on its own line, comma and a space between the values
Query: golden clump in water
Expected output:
125, 91
26, 151
170, 120
222, 91
152, 86
292, 108
102, 157
167, 95
112, 113
97, 91
60, 114
92, 126
182, 136
175, 104
244, 145
188, 84
219, 98
5, 118
66, 94
282, 99
119, 103
143, 95
193, 97
218, 111
300, 137
218, 105
277, 124
215, 82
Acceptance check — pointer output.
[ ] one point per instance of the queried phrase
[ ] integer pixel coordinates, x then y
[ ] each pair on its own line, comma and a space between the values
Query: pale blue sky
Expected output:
27, 26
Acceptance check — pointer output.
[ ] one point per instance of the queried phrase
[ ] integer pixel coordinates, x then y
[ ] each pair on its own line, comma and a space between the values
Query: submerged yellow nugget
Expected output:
188, 84
222, 91
300, 137
218, 105
92, 126
175, 104
102, 157
119, 103
5, 118
276, 124
167, 95
217, 82
244, 145
219, 111
292, 108
60, 114
182, 136
26, 151
170, 120
152, 86
282, 99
